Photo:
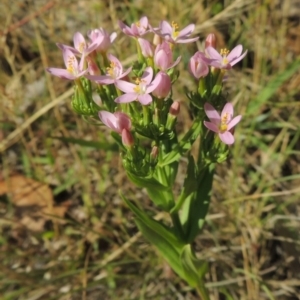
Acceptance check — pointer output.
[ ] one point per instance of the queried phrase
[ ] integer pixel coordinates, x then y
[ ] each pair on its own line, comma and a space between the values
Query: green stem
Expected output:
202, 291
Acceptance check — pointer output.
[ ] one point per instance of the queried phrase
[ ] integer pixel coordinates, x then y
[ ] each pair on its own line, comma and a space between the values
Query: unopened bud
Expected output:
175, 108
211, 41
164, 87
127, 138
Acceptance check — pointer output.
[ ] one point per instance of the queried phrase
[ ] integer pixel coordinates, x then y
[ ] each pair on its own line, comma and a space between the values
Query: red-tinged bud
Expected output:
175, 108
211, 41
164, 86
127, 138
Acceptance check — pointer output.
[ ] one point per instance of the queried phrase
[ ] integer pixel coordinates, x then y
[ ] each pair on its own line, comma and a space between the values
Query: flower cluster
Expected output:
149, 81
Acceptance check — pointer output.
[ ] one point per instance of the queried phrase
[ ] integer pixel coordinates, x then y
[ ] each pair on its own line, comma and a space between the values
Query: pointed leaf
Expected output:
194, 209
163, 230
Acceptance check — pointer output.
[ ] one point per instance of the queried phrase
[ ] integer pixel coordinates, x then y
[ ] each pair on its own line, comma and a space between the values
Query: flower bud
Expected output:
127, 138
211, 41
164, 87
198, 66
175, 108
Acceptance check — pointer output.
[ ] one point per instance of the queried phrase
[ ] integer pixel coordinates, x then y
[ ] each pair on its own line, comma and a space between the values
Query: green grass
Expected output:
251, 239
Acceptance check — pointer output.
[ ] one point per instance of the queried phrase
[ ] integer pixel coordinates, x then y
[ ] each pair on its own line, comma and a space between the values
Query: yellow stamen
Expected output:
139, 88
138, 24
70, 64
175, 27
81, 47
110, 69
224, 52
223, 126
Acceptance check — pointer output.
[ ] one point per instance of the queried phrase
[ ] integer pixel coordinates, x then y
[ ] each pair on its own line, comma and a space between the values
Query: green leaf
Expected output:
169, 246
194, 209
163, 199
189, 186
190, 265
155, 225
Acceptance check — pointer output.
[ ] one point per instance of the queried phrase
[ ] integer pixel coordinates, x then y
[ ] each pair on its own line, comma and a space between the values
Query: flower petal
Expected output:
147, 75
235, 61
126, 98
213, 53
212, 114
233, 122
153, 85
123, 121
185, 41
211, 126
227, 137
125, 86
79, 41
145, 99
165, 28
108, 119
62, 73
103, 79
227, 110
235, 52
186, 31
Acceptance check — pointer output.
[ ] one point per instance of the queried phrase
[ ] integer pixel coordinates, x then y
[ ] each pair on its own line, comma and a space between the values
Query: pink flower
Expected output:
164, 87
139, 91
223, 124
116, 121
146, 47
81, 47
137, 29
225, 59
163, 57
73, 70
198, 65
113, 73
102, 36
172, 35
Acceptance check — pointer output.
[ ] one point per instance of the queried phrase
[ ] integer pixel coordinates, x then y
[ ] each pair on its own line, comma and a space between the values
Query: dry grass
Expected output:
251, 238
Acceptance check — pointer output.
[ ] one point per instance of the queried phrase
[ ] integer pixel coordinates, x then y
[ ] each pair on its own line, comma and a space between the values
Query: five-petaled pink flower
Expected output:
81, 47
136, 29
139, 91
225, 59
73, 70
102, 37
113, 73
116, 121
171, 33
223, 124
